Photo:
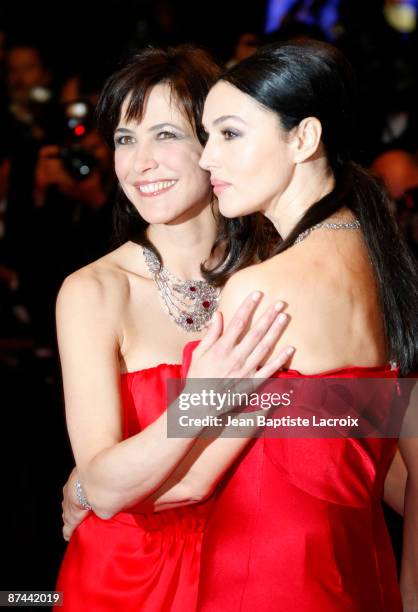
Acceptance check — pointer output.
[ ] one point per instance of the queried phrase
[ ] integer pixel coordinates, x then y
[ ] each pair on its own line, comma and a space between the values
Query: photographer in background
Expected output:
28, 98
56, 209
26, 72
73, 191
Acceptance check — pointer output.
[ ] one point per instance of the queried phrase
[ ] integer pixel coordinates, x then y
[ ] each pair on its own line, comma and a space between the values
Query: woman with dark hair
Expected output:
298, 523
142, 472
118, 346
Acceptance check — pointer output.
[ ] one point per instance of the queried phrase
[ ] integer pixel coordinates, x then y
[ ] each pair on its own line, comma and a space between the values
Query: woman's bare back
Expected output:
332, 297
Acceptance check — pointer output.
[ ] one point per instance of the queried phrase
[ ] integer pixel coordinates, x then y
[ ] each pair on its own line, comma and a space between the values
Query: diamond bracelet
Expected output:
81, 496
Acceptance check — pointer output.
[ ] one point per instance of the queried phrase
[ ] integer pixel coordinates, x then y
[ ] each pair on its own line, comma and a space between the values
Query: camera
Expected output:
66, 126
77, 161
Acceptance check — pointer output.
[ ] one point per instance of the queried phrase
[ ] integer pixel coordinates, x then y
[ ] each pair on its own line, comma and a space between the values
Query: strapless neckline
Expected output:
190, 346
150, 368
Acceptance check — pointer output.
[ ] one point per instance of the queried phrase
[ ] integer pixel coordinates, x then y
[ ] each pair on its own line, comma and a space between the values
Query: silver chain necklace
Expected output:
190, 304
349, 225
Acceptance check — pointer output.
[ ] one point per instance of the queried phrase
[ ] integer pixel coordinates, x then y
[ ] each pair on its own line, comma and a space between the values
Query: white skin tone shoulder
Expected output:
161, 152
110, 320
256, 166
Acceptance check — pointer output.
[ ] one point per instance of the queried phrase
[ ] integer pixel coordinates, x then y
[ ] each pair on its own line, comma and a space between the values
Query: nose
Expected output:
144, 159
207, 160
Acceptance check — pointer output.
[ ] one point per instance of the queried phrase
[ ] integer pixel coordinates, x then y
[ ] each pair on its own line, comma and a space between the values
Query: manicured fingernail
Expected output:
278, 305
282, 317
256, 296
290, 350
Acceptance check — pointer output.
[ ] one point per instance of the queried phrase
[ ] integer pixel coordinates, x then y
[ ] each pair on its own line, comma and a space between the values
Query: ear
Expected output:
306, 139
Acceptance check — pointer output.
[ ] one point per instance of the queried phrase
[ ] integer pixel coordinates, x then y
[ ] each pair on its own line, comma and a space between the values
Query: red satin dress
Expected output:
297, 525
136, 562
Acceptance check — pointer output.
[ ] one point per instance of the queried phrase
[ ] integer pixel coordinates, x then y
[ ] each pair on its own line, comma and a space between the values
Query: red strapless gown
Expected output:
136, 562
298, 526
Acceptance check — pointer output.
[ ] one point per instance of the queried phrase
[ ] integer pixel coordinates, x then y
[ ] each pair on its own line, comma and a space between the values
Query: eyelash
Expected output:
230, 134
169, 135
119, 140
163, 135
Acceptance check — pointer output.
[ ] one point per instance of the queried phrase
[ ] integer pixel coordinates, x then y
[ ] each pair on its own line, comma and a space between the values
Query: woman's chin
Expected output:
160, 215
232, 212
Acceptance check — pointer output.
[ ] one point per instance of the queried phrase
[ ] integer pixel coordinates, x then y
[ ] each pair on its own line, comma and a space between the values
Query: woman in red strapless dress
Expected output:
297, 524
138, 548
136, 562
126, 556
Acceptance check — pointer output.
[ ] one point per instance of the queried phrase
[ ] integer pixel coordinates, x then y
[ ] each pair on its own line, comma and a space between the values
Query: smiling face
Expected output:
248, 153
157, 161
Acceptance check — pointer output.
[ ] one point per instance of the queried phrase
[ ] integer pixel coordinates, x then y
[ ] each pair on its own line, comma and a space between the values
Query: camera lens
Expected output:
78, 162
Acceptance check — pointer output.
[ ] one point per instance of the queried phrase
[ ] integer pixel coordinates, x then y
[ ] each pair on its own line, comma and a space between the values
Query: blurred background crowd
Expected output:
57, 187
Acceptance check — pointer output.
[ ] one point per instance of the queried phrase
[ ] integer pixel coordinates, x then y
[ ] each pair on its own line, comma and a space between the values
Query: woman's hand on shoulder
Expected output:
238, 344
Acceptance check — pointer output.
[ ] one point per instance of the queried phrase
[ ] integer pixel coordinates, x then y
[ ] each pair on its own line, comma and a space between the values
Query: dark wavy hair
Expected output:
190, 72
310, 78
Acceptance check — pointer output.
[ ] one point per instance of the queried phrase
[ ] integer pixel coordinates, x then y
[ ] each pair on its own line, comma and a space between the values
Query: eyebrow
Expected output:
123, 130
159, 126
227, 118
154, 128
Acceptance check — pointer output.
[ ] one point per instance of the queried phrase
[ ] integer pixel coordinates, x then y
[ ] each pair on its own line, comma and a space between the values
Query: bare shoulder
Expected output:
258, 276
103, 284
330, 299
283, 278
241, 282
239, 286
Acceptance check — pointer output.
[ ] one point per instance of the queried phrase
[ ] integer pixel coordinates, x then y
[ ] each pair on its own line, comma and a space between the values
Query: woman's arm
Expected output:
204, 458
202, 470
395, 484
409, 569
209, 459
115, 473
199, 472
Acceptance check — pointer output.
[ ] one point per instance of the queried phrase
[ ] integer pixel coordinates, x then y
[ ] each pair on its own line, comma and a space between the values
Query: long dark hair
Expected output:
309, 78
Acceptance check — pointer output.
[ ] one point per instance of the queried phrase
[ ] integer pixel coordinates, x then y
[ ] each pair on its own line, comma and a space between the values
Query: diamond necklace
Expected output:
190, 304
349, 225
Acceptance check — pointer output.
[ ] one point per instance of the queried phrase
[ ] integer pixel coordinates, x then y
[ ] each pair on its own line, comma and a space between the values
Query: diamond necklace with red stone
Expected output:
190, 304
